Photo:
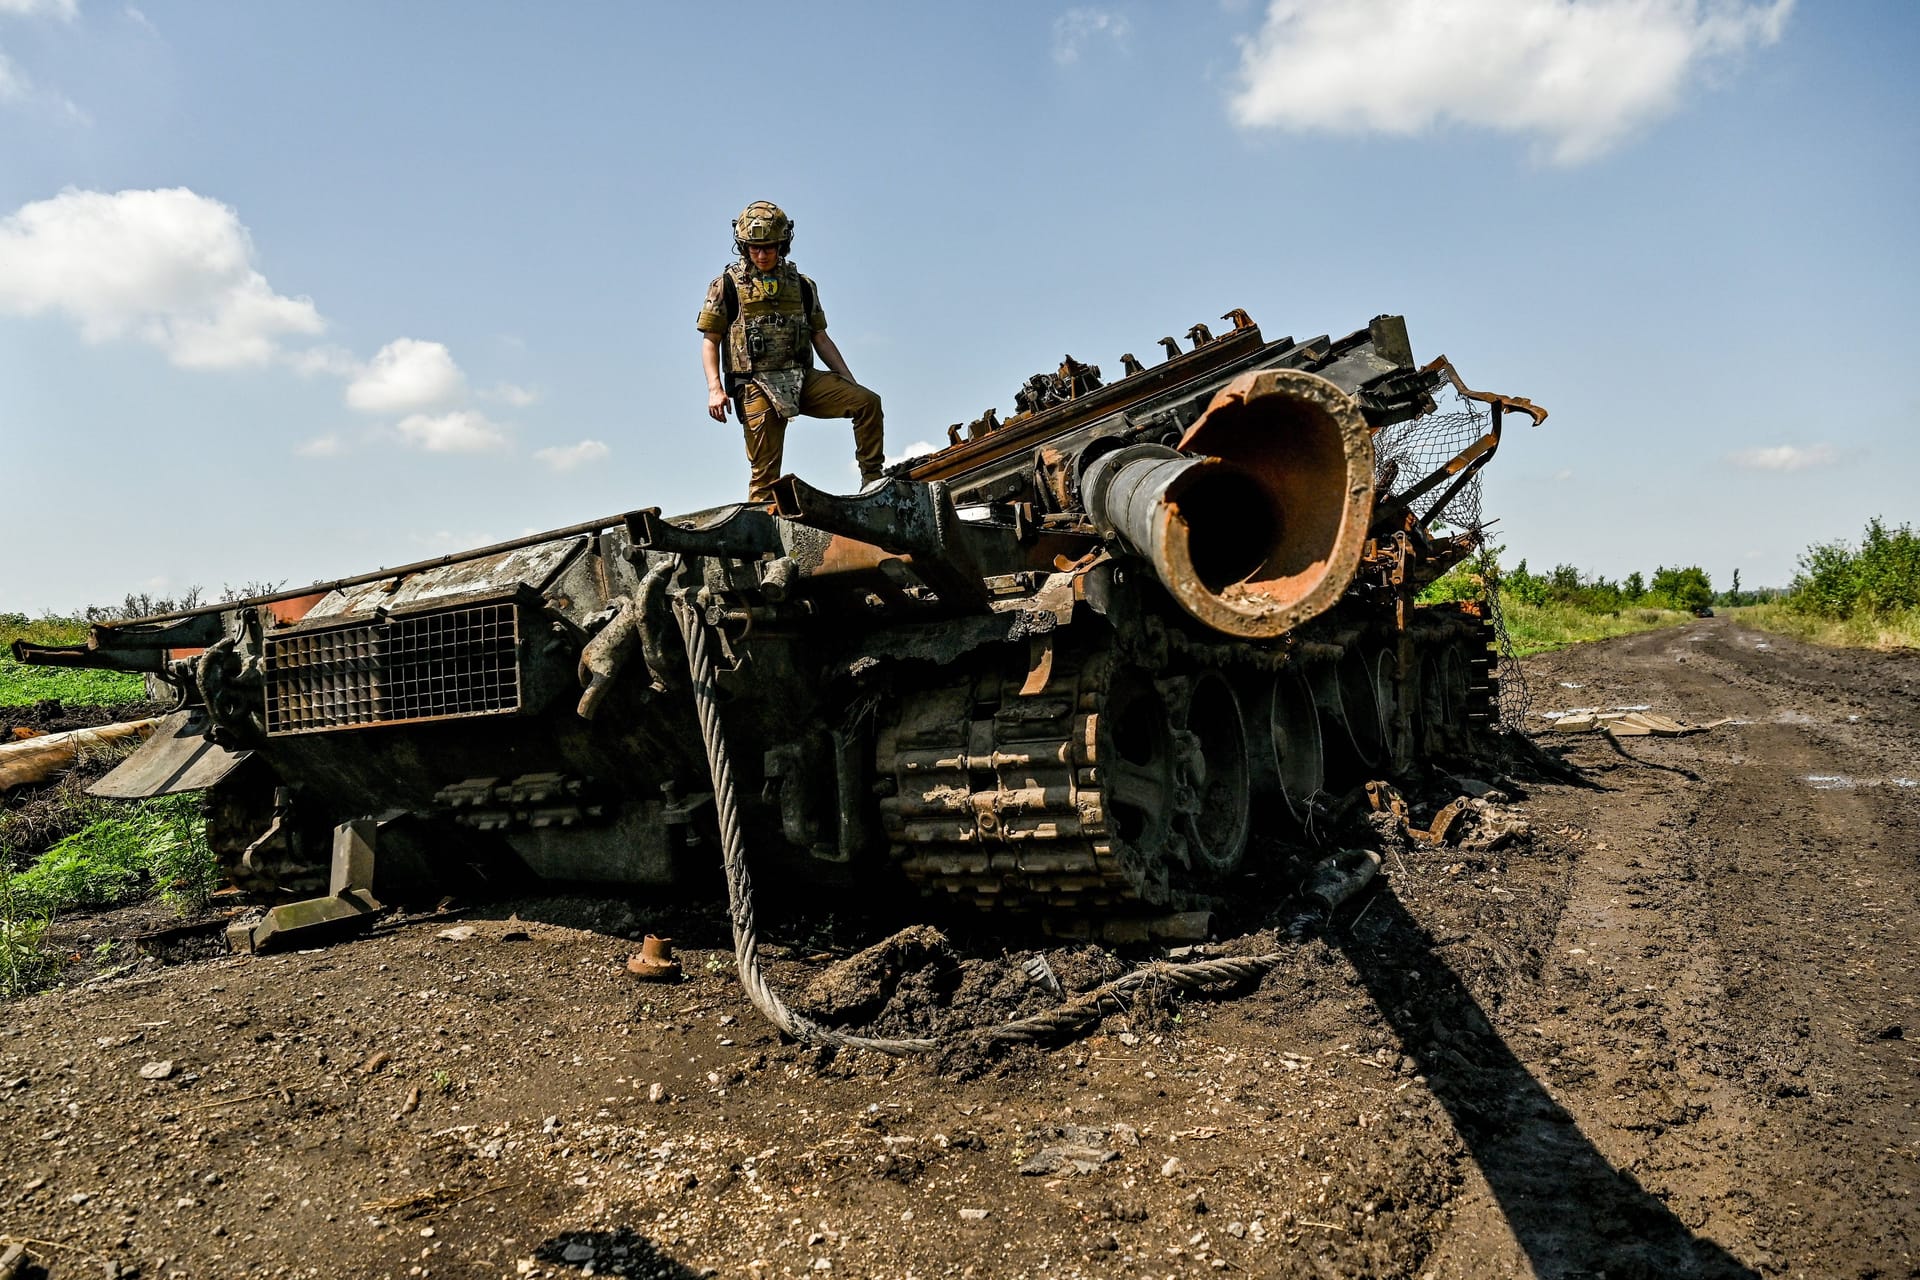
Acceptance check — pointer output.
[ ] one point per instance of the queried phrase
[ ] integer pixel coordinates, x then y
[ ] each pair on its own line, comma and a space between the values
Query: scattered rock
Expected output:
972, 1215
1172, 1168
576, 1252
656, 1092
459, 933
156, 1071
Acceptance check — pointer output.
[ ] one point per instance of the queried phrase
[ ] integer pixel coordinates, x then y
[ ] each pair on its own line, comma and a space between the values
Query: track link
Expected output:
998, 798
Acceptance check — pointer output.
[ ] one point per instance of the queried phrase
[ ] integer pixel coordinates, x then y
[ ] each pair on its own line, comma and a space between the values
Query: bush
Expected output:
1685, 589
1879, 580
1543, 611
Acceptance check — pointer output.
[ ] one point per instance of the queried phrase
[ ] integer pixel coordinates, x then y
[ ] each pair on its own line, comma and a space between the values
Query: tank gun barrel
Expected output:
1256, 521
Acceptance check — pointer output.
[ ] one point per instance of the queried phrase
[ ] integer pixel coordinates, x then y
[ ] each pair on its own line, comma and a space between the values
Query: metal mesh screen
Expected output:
461, 662
1406, 453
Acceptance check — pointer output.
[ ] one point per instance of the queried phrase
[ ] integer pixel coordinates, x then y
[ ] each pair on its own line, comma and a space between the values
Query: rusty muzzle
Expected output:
1256, 522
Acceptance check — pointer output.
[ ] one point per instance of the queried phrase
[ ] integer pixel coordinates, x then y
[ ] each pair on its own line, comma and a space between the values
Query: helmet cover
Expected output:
762, 223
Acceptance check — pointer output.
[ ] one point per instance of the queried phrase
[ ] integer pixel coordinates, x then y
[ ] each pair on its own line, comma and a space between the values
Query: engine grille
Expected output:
459, 662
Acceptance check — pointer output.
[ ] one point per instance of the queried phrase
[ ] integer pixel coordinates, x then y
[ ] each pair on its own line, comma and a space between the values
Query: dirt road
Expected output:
1673, 1035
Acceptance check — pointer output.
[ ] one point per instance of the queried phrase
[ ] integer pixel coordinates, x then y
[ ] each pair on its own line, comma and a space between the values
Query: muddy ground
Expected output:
1673, 1035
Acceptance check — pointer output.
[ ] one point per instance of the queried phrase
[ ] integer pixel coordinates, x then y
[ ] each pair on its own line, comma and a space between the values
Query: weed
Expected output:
443, 1079
36, 821
1546, 627
23, 960
1900, 630
129, 847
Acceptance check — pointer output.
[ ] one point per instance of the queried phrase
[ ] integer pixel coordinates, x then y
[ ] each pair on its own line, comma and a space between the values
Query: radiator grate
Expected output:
459, 662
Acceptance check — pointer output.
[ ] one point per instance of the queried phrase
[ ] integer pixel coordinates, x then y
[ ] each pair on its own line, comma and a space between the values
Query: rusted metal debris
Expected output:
1384, 797
654, 961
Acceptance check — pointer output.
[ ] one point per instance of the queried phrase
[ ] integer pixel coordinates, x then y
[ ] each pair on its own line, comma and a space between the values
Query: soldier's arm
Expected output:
716, 390
830, 354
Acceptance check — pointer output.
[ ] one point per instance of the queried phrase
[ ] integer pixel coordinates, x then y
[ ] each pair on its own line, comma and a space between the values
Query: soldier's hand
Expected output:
717, 405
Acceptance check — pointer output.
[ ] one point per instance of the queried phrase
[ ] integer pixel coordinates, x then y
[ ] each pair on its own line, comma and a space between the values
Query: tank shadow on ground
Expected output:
1572, 1211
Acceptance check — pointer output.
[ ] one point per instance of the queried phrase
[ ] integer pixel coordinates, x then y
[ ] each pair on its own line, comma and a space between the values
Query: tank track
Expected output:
1483, 675
997, 798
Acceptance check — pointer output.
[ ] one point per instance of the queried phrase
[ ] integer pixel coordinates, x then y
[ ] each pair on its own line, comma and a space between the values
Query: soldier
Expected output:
770, 319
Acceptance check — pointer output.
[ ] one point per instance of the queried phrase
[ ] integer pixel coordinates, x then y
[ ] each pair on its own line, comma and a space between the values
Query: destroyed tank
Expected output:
1059, 671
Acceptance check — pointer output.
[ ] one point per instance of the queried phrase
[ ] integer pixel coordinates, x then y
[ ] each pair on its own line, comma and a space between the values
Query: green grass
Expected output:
22, 686
1900, 630
129, 849
23, 960
126, 850
1546, 627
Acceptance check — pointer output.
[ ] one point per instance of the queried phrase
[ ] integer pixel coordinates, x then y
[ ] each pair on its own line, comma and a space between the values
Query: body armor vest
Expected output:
771, 328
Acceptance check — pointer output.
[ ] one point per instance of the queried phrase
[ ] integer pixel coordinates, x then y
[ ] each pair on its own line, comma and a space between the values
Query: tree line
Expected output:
1878, 578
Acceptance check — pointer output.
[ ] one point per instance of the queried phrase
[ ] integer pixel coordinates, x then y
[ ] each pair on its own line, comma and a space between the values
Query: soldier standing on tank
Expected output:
760, 327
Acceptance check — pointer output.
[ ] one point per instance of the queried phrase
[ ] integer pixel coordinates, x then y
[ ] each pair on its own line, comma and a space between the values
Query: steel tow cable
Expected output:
1074, 1015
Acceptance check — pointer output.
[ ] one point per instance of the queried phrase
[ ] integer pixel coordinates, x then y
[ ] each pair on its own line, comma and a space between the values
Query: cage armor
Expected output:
770, 330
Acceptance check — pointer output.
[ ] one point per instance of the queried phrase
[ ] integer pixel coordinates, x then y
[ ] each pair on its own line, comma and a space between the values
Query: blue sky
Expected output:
290, 293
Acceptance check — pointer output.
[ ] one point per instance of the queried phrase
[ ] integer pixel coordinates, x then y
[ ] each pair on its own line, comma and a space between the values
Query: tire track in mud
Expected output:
1731, 990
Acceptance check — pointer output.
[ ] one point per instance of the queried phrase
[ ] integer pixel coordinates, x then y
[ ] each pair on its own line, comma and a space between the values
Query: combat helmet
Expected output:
762, 223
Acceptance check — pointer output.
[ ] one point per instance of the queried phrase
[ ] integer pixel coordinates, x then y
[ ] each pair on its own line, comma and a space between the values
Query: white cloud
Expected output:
176, 270
65, 10
1577, 76
1563, 474
170, 268
406, 376
462, 431
518, 397
18, 89
1075, 29
14, 85
567, 457
337, 362
1784, 457
327, 446
917, 449
442, 540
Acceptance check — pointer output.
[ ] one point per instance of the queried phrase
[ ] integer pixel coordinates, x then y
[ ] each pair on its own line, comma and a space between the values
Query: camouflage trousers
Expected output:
823, 395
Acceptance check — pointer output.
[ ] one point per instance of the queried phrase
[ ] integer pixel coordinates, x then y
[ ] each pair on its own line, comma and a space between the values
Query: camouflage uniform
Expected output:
769, 354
